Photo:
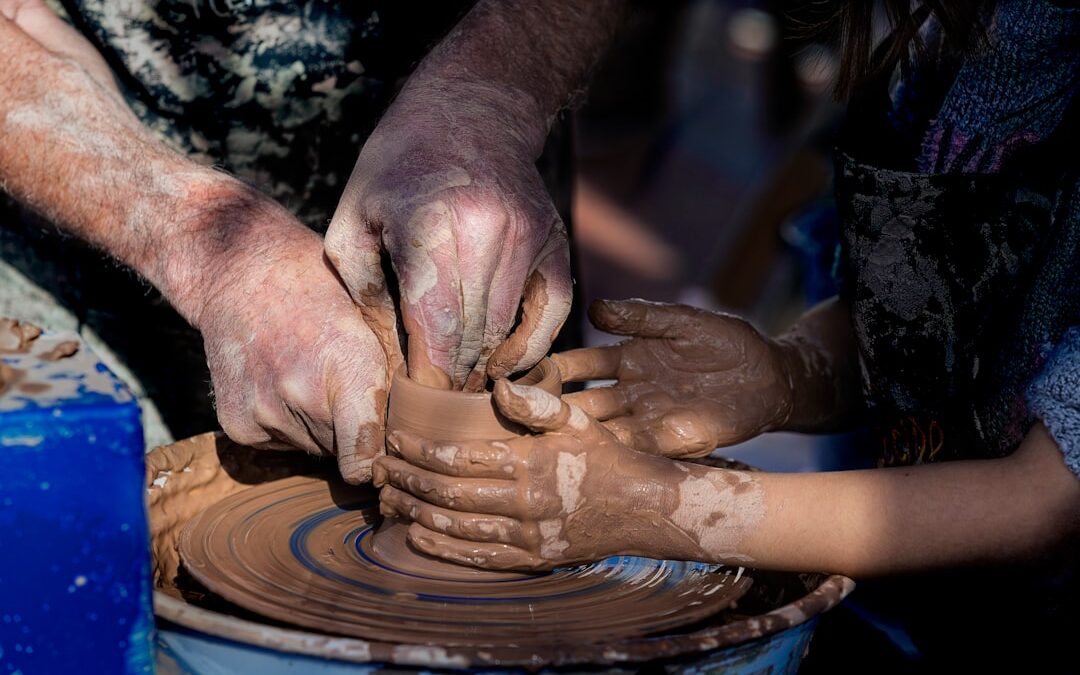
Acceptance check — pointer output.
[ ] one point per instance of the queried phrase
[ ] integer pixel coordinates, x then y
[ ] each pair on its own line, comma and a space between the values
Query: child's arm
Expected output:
574, 493
691, 380
884, 521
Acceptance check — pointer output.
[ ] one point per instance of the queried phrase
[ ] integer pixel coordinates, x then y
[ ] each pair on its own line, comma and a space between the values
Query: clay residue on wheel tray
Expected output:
16, 336
186, 477
61, 351
299, 550
8, 377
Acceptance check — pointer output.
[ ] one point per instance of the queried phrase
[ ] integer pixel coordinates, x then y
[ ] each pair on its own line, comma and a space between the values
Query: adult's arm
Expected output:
447, 185
292, 360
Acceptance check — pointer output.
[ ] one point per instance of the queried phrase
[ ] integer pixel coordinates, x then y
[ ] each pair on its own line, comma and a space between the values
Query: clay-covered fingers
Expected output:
489, 555
678, 433
357, 381
545, 304
590, 363
542, 412
395, 503
477, 495
353, 248
641, 318
472, 459
602, 403
424, 251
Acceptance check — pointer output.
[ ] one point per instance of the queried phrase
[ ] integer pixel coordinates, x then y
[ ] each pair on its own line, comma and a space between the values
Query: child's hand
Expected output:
688, 380
571, 494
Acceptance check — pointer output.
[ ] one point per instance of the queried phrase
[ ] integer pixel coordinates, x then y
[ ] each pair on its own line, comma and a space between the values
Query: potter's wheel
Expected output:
300, 550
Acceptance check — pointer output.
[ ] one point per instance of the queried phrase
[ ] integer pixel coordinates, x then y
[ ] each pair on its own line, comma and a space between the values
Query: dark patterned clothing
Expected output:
962, 235
280, 93
283, 94
959, 287
959, 201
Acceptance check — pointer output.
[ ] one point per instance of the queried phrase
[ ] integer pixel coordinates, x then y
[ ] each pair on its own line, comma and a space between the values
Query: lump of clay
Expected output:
61, 351
16, 336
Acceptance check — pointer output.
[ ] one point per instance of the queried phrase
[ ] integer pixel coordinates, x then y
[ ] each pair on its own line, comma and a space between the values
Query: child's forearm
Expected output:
821, 363
887, 521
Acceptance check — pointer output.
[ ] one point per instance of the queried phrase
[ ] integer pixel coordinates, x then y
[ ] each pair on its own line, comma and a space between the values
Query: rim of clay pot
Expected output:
445, 414
544, 374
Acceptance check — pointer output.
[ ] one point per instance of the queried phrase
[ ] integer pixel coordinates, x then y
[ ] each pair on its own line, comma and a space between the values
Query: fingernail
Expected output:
378, 474
519, 390
616, 306
394, 439
387, 511
421, 542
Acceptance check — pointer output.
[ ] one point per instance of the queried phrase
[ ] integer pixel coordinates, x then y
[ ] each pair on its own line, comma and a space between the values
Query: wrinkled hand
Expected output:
689, 380
50, 31
292, 360
571, 494
450, 191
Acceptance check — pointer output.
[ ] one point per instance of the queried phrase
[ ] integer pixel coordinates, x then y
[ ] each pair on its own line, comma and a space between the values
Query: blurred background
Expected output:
703, 157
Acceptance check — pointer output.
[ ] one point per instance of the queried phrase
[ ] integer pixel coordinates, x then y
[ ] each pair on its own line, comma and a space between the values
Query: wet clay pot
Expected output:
446, 415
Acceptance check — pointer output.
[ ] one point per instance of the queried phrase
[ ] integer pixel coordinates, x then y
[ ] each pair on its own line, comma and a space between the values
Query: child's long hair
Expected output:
961, 21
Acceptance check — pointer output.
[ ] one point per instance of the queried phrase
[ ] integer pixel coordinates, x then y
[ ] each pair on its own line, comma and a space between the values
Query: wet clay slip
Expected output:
307, 551
279, 534
299, 550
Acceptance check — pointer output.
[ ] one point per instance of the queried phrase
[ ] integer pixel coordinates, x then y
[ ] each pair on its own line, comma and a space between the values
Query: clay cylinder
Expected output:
445, 415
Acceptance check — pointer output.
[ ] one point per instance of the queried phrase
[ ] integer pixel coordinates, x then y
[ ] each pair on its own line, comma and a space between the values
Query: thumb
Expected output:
542, 412
357, 391
545, 304
353, 249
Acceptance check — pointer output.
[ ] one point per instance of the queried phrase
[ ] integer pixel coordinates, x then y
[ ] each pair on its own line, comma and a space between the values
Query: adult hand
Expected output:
40, 23
450, 191
571, 494
292, 360
688, 380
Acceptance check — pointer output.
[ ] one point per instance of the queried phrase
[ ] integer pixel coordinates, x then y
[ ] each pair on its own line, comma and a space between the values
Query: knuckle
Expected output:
355, 470
484, 212
335, 243
241, 429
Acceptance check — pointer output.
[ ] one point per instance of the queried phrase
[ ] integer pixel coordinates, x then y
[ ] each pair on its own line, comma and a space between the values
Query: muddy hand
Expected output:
50, 31
455, 200
292, 360
571, 493
688, 380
